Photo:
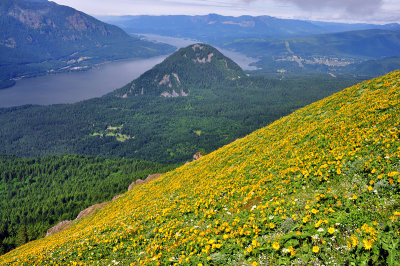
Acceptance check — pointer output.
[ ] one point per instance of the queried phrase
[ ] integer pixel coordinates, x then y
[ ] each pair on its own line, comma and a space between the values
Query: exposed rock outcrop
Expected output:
116, 197
197, 46
177, 78
137, 182
140, 181
88, 211
165, 80
174, 94
152, 177
61, 226
166, 94
204, 60
197, 156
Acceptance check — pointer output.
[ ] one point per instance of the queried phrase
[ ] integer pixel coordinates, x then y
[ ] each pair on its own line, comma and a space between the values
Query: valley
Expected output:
223, 102
72, 87
293, 47
197, 99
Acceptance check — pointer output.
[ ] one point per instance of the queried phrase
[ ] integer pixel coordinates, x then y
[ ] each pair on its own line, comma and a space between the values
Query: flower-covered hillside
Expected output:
318, 186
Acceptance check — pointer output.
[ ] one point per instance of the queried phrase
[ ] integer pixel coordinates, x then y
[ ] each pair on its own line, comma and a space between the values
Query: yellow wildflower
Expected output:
272, 225
367, 244
391, 174
315, 249
354, 240
275, 245
314, 211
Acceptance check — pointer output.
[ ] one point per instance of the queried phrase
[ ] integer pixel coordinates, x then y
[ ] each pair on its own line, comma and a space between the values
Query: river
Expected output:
77, 86
73, 87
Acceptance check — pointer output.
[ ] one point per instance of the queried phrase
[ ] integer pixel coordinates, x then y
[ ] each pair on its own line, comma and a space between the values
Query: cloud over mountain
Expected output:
359, 7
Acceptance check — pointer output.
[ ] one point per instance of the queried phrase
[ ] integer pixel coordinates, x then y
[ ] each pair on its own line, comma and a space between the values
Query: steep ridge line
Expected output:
320, 185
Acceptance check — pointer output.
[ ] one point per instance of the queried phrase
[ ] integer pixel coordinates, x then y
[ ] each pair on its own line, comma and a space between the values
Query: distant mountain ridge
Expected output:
42, 36
214, 27
374, 43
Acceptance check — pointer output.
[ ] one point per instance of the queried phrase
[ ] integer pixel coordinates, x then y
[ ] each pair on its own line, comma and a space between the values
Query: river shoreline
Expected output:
69, 70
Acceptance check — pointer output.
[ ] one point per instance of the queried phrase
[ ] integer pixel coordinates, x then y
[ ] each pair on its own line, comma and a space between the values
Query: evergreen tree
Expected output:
22, 236
36, 194
2, 248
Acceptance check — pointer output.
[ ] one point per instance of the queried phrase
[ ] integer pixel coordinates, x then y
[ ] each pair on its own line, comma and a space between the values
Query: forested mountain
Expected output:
325, 53
374, 44
373, 67
38, 37
320, 186
195, 100
188, 70
37, 193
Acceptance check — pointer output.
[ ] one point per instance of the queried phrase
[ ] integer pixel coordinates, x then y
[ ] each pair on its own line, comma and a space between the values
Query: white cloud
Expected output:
346, 6
381, 11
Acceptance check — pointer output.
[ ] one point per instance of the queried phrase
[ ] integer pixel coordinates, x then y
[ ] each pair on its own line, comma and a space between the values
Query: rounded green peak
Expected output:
201, 53
196, 67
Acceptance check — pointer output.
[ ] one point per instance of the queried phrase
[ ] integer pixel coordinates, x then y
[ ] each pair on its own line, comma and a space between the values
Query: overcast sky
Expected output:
376, 11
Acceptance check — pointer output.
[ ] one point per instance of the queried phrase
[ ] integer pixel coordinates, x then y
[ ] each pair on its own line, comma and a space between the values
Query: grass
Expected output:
197, 132
113, 132
319, 186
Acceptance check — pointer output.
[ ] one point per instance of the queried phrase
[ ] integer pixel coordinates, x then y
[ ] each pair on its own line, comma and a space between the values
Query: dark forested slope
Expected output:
37, 193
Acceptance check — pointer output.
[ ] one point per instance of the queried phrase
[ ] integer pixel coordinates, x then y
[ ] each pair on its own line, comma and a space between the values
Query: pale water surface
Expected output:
76, 86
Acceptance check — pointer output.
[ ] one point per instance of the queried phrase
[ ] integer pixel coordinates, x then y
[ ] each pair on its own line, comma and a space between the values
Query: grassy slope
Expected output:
321, 184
